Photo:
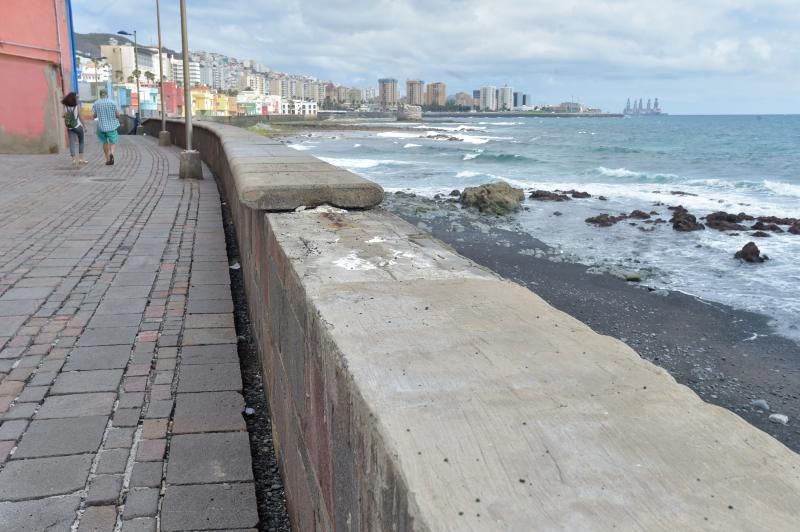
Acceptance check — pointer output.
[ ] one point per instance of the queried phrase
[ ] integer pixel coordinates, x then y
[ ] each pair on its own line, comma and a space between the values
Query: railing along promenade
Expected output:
413, 390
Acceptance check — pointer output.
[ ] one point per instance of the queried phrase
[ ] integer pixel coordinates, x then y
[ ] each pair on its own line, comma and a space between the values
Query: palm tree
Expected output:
150, 76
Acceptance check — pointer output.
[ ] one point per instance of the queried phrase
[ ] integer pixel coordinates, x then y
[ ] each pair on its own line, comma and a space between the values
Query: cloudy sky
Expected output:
697, 56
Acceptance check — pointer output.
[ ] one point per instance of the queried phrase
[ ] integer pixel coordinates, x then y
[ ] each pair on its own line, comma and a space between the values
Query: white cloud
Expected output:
468, 42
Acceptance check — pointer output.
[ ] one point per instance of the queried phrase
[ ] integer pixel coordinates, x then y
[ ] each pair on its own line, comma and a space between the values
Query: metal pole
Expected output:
160, 68
187, 92
136, 66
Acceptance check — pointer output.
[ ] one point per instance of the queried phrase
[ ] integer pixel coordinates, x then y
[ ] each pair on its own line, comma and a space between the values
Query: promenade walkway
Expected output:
119, 377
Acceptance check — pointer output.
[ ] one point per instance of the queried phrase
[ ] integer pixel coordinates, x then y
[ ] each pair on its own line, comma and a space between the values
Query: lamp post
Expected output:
190, 166
137, 73
164, 137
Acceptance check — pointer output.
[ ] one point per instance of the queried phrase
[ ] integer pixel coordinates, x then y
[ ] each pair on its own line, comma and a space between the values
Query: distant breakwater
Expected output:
520, 114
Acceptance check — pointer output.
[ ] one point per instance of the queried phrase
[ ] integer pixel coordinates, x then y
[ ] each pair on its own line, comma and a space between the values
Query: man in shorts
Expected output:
106, 113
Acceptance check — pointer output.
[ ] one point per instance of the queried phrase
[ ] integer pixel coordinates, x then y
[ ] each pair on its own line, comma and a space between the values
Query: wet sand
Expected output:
727, 356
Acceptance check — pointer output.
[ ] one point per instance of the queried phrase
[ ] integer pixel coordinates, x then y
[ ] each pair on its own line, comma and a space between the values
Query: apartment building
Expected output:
436, 94
488, 98
387, 92
505, 98
415, 92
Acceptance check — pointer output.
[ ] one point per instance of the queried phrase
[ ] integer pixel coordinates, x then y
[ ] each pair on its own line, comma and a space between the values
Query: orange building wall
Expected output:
36, 66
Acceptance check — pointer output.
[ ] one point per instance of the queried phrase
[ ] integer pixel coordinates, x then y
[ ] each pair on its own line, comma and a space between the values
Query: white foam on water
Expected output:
375, 240
399, 135
360, 163
618, 172
783, 189
428, 133
410, 145
467, 173
455, 128
469, 139
299, 147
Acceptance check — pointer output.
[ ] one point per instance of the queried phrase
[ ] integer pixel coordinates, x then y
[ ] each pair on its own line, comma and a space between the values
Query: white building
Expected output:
505, 100
298, 107
207, 75
488, 99
121, 59
318, 91
177, 71
279, 87
220, 78
255, 82
87, 72
165, 64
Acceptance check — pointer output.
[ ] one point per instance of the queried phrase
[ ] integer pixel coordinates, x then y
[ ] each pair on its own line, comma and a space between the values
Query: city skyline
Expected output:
599, 52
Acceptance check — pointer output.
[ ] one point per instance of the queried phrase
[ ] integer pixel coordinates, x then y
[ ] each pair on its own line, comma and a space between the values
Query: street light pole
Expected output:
136, 66
138, 115
164, 137
190, 166
187, 89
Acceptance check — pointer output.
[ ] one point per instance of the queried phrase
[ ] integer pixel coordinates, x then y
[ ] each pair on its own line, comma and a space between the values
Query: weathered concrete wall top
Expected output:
271, 177
502, 413
414, 390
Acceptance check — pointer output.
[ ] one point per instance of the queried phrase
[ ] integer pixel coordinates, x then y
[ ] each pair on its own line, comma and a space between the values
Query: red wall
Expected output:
173, 98
36, 64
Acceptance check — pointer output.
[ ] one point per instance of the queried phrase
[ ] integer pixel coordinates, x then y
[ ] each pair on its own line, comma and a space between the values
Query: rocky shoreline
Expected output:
731, 358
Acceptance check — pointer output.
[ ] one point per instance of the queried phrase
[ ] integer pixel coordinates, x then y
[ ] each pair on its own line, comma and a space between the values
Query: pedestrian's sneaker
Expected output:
111, 159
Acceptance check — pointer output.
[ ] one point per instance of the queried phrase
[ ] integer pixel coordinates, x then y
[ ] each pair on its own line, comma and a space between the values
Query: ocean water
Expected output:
732, 163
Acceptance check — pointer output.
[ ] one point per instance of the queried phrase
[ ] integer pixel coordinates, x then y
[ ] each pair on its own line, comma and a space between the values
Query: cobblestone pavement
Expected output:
119, 378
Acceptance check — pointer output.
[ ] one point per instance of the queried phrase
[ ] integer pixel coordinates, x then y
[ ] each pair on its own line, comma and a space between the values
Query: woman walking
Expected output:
72, 120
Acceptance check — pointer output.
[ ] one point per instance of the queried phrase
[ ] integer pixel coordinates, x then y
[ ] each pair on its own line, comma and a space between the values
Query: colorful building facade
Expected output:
36, 70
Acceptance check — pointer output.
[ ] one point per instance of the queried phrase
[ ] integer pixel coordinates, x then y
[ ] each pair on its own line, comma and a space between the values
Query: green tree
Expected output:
149, 76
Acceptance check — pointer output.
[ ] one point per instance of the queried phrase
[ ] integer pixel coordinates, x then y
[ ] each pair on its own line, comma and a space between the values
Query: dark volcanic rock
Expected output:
604, 220
723, 221
639, 215
795, 228
776, 220
493, 198
683, 221
681, 193
760, 234
578, 194
750, 253
442, 136
602, 198
761, 226
455, 193
546, 195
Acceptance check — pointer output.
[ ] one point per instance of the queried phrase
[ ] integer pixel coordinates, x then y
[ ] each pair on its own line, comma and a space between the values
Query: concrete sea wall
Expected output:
252, 120
413, 390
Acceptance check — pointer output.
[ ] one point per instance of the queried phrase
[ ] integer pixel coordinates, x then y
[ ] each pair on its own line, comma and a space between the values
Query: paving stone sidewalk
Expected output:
120, 403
